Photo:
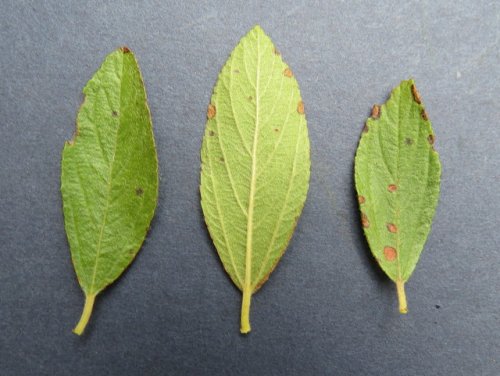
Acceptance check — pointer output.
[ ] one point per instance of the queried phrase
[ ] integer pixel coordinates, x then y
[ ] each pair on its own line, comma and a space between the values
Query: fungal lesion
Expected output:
376, 111
139, 191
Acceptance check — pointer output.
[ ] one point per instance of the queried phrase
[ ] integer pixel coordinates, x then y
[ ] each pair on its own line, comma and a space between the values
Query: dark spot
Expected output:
236, 71
416, 94
408, 141
437, 306
125, 50
424, 115
361, 199
250, 98
221, 159
211, 111
391, 227
390, 253
365, 128
139, 191
300, 107
376, 111
364, 220
276, 52
392, 187
114, 113
288, 72
276, 130
211, 133
431, 139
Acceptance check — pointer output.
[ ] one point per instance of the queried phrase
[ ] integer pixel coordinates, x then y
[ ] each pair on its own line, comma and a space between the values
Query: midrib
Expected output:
248, 257
108, 192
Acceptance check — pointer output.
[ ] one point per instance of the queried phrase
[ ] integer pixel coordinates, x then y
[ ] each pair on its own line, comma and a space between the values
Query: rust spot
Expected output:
375, 111
211, 111
424, 115
390, 253
364, 220
361, 199
431, 139
139, 191
300, 107
408, 141
114, 113
391, 227
392, 187
365, 128
288, 72
125, 50
416, 94
211, 133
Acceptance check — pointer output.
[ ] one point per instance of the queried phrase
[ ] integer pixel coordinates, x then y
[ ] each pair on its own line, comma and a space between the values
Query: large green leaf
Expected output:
397, 174
255, 163
109, 179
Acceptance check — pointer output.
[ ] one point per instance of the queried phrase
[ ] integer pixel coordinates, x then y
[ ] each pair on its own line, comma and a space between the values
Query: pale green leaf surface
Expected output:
397, 174
255, 161
109, 179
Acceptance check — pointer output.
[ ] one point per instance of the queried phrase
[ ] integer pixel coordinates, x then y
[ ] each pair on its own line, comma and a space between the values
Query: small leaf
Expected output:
109, 179
397, 173
255, 163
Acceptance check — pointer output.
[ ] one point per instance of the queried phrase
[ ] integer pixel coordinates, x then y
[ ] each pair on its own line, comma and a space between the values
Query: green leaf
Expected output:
397, 173
109, 179
255, 163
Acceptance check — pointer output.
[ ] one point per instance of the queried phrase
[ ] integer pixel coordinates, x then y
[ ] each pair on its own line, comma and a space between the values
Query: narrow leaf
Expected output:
397, 173
109, 179
255, 163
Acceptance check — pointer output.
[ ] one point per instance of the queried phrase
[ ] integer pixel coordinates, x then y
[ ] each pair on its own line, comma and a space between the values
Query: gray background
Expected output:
327, 309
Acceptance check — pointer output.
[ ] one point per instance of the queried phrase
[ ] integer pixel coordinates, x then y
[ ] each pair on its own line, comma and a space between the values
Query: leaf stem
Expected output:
87, 311
403, 306
245, 310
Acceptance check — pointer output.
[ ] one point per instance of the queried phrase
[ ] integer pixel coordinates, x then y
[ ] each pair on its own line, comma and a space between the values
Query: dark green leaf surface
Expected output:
397, 173
109, 179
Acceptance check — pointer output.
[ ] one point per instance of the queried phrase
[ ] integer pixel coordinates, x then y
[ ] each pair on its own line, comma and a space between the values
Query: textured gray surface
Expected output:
326, 309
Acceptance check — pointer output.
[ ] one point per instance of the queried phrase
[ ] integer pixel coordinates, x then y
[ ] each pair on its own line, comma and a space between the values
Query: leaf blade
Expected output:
109, 174
255, 139
397, 178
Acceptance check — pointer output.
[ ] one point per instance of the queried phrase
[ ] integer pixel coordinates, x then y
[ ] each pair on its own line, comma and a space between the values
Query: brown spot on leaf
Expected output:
424, 115
276, 52
431, 139
221, 159
276, 130
392, 187
365, 128
125, 50
300, 107
236, 71
375, 111
114, 113
211, 111
361, 199
408, 141
250, 98
139, 191
391, 227
211, 133
416, 94
364, 220
390, 253
288, 72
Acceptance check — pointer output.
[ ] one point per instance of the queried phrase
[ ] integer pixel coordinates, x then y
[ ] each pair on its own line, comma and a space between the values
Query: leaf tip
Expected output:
125, 49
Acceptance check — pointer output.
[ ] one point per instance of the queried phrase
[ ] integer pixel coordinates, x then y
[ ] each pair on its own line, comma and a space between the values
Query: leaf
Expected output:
397, 173
109, 179
255, 163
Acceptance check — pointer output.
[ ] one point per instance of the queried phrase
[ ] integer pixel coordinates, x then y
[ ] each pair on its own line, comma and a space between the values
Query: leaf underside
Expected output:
397, 174
255, 160
109, 179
